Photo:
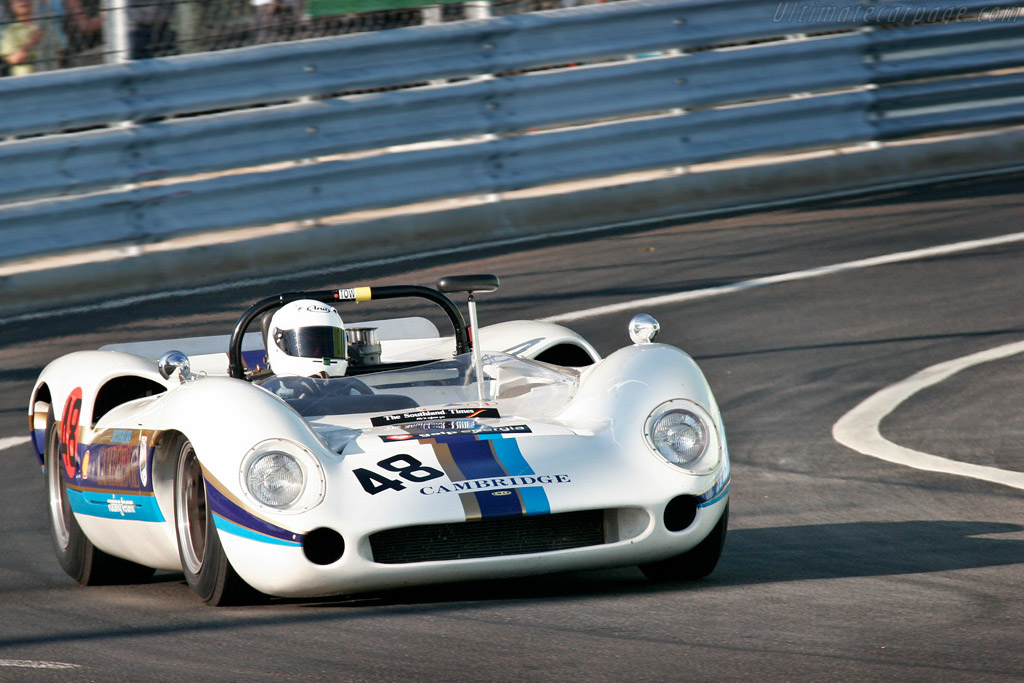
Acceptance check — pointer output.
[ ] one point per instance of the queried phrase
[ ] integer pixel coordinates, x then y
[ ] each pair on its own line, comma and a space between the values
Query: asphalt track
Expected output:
838, 565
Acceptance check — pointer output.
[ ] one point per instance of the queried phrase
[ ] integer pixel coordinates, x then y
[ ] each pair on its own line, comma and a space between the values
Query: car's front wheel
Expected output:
84, 562
206, 567
695, 563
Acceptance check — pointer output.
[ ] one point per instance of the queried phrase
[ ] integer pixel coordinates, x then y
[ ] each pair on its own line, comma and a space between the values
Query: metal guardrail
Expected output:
493, 105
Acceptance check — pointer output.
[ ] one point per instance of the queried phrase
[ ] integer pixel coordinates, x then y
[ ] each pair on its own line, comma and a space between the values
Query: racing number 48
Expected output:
405, 466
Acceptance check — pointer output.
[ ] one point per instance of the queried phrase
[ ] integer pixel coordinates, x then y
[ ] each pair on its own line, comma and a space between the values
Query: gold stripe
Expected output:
363, 293
444, 458
471, 507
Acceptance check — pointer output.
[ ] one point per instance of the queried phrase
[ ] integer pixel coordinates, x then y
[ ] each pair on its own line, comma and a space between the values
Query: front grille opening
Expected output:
488, 538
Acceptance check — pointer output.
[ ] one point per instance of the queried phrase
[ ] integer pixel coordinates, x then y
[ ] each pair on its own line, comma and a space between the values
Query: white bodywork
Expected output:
560, 441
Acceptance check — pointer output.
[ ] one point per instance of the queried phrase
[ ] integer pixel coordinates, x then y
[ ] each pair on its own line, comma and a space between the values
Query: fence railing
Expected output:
154, 148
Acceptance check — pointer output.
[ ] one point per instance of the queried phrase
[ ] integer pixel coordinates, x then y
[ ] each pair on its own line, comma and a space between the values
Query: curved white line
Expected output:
12, 441
858, 429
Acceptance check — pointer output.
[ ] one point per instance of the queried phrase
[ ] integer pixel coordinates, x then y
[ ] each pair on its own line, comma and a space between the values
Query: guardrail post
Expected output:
115, 31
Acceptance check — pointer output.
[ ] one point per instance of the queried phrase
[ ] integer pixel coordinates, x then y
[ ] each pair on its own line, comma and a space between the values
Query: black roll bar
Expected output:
236, 367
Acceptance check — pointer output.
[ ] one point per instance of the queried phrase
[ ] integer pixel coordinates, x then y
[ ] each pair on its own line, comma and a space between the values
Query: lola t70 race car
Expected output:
311, 458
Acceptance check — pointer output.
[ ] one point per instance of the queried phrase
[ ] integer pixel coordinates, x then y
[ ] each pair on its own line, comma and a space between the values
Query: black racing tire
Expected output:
695, 563
83, 562
203, 561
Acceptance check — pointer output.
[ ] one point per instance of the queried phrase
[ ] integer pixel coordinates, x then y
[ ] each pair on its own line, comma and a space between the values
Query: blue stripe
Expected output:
495, 504
474, 458
228, 510
719, 496
230, 527
535, 501
508, 454
115, 505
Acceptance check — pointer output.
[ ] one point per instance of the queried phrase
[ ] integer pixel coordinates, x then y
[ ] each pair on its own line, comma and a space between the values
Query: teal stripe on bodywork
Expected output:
230, 527
115, 505
535, 500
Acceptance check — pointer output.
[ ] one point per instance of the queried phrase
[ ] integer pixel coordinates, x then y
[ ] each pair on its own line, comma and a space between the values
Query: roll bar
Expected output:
236, 367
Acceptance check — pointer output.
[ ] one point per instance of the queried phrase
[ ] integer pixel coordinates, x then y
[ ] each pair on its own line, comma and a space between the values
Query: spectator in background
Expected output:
150, 29
275, 20
83, 26
20, 38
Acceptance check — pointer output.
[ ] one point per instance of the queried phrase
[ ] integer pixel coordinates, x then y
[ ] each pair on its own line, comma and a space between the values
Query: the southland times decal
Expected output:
819, 12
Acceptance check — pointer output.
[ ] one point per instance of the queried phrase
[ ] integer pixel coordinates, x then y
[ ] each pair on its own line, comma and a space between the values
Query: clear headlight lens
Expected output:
275, 479
283, 475
682, 433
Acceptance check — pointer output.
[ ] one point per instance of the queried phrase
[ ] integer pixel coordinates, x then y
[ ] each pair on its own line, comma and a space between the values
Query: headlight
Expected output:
275, 479
283, 475
683, 433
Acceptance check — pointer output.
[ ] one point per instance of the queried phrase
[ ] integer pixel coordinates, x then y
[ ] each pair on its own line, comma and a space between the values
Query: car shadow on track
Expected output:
752, 557
757, 556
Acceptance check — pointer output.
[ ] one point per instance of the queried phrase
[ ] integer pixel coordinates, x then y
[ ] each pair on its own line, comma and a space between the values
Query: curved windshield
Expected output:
522, 388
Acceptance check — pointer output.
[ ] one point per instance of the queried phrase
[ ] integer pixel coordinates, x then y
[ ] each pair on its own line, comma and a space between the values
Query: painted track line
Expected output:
859, 428
11, 442
33, 664
692, 295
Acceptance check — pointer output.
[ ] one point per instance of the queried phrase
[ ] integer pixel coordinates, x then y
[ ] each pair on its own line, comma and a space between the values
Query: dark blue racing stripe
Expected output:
228, 510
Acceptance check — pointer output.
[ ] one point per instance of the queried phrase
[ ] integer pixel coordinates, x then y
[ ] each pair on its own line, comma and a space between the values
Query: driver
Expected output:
306, 338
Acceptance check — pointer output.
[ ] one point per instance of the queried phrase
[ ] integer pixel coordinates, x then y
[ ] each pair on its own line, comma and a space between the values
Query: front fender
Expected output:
224, 418
619, 392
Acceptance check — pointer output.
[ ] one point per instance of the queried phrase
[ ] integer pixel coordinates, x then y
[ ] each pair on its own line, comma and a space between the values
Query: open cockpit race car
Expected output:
380, 454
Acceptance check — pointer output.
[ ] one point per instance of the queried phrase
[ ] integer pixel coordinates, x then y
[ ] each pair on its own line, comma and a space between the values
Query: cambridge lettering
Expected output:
496, 483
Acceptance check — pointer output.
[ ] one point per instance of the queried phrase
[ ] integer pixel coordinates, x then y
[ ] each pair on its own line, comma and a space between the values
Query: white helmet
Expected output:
307, 338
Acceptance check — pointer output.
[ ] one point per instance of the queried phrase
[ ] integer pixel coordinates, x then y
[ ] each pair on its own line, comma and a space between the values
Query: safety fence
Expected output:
146, 150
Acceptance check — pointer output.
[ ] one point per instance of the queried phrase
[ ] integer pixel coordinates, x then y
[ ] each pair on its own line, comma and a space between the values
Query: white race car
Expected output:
379, 455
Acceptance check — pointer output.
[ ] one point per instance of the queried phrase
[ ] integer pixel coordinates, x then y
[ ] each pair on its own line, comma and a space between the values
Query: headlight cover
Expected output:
283, 476
684, 435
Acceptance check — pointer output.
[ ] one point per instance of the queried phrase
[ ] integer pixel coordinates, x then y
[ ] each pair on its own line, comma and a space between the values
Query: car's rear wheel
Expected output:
695, 563
203, 561
84, 562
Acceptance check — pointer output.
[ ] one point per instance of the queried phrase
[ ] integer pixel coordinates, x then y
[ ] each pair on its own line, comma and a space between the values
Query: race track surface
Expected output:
837, 566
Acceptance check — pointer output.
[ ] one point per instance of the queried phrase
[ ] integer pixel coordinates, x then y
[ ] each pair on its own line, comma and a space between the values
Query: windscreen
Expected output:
521, 388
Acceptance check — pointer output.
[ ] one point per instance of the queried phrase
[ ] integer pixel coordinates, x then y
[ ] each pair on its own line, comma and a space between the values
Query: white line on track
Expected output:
859, 428
679, 297
31, 664
11, 442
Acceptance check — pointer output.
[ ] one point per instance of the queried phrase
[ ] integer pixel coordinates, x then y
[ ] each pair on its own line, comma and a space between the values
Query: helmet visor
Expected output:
314, 342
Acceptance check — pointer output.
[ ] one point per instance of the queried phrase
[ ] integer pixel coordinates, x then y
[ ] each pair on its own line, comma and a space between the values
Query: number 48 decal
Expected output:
405, 466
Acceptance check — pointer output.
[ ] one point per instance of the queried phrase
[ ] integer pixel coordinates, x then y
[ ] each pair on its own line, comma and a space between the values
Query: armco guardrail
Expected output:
489, 106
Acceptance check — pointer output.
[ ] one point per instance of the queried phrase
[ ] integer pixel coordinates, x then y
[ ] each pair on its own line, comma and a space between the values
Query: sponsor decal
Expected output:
505, 485
440, 414
121, 436
347, 294
122, 506
319, 308
113, 466
433, 430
